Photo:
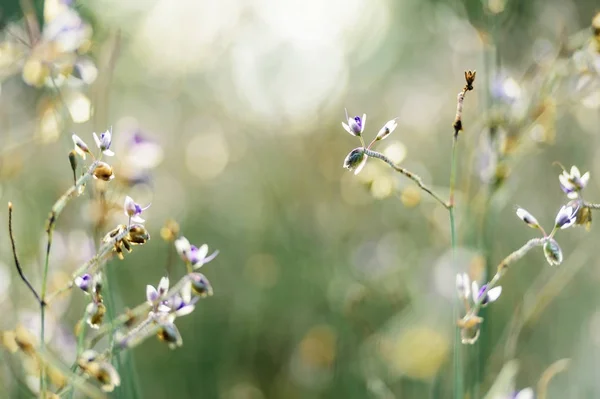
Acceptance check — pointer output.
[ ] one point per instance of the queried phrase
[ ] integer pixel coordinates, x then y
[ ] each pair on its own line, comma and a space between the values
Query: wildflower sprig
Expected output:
575, 212
357, 158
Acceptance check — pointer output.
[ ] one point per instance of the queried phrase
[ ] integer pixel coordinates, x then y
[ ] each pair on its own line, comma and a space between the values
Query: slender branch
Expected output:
591, 205
503, 267
54, 214
91, 266
407, 173
17, 263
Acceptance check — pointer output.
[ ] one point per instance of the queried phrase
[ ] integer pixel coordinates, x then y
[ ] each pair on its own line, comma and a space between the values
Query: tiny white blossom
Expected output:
566, 217
527, 218
103, 142
134, 210
387, 129
463, 285
572, 182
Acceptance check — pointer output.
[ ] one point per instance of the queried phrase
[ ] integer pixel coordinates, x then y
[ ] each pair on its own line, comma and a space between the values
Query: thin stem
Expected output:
591, 205
17, 263
408, 174
458, 375
54, 214
92, 265
503, 267
79, 350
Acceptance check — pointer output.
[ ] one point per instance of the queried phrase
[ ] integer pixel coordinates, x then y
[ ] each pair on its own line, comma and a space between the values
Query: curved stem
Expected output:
407, 173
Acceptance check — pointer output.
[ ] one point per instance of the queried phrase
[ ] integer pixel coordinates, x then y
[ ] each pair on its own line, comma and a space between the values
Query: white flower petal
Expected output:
108, 153
564, 180
347, 128
364, 123
163, 285
585, 179
186, 293
137, 219
361, 165
572, 195
97, 140
494, 293
182, 245
185, 310
475, 289
575, 172
129, 206
151, 294
526, 393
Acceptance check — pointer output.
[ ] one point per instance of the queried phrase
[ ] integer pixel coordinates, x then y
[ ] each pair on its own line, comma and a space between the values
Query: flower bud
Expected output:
80, 147
104, 172
566, 216
200, 285
355, 125
84, 282
387, 129
95, 312
552, 252
528, 218
356, 160
169, 333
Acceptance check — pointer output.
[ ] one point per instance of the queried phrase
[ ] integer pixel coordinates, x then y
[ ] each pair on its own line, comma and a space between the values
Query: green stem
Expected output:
458, 367
54, 214
409, 174
79, 350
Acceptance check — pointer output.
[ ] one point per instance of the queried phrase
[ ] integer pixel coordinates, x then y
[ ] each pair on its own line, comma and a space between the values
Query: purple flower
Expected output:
198, 257
84, 282
573, 182
154, 294
134, 210
492, 295
355, 125
104, 142
566, 216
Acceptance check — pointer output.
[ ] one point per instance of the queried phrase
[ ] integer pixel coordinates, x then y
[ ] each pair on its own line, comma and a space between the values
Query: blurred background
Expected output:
226, 116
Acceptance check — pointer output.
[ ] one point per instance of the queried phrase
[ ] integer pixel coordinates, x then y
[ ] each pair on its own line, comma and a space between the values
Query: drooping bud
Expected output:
200, 285
169, 333
355, 160
80, 147
566, 216
552, 252
355, 125
104, 172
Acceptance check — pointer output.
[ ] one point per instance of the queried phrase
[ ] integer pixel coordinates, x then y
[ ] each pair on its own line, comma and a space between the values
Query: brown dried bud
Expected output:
138, 235
103, 172
470, 78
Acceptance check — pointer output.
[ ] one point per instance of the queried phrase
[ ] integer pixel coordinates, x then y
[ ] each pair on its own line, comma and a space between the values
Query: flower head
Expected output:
180, 304
387, 129
198, 257
81, 147
356, 160
355, 125
134, 210
84, 282
528, 218
92, 364
490, 296
103, 142
573, 182
200, 285
566, 216
155, 294
552, 252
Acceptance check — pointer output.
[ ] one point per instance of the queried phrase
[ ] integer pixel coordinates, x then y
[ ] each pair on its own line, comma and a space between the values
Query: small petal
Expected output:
494, 294
526, 393
184, 310
151, 294
585, 179
108, 153
97, 140
137, 219
163, 286
575, 172
129, 206
183, 247
475, 291
463, 285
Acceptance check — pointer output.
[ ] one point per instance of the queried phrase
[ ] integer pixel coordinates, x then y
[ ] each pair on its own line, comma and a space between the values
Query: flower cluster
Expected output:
168, 304
94, 365
357, 158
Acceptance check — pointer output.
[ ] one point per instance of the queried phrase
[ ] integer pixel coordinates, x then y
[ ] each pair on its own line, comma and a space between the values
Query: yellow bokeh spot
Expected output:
411, 196
318, 348
207, 155
417, 352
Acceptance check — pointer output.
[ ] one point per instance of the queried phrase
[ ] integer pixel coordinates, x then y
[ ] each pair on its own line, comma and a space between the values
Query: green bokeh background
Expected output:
322, 289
